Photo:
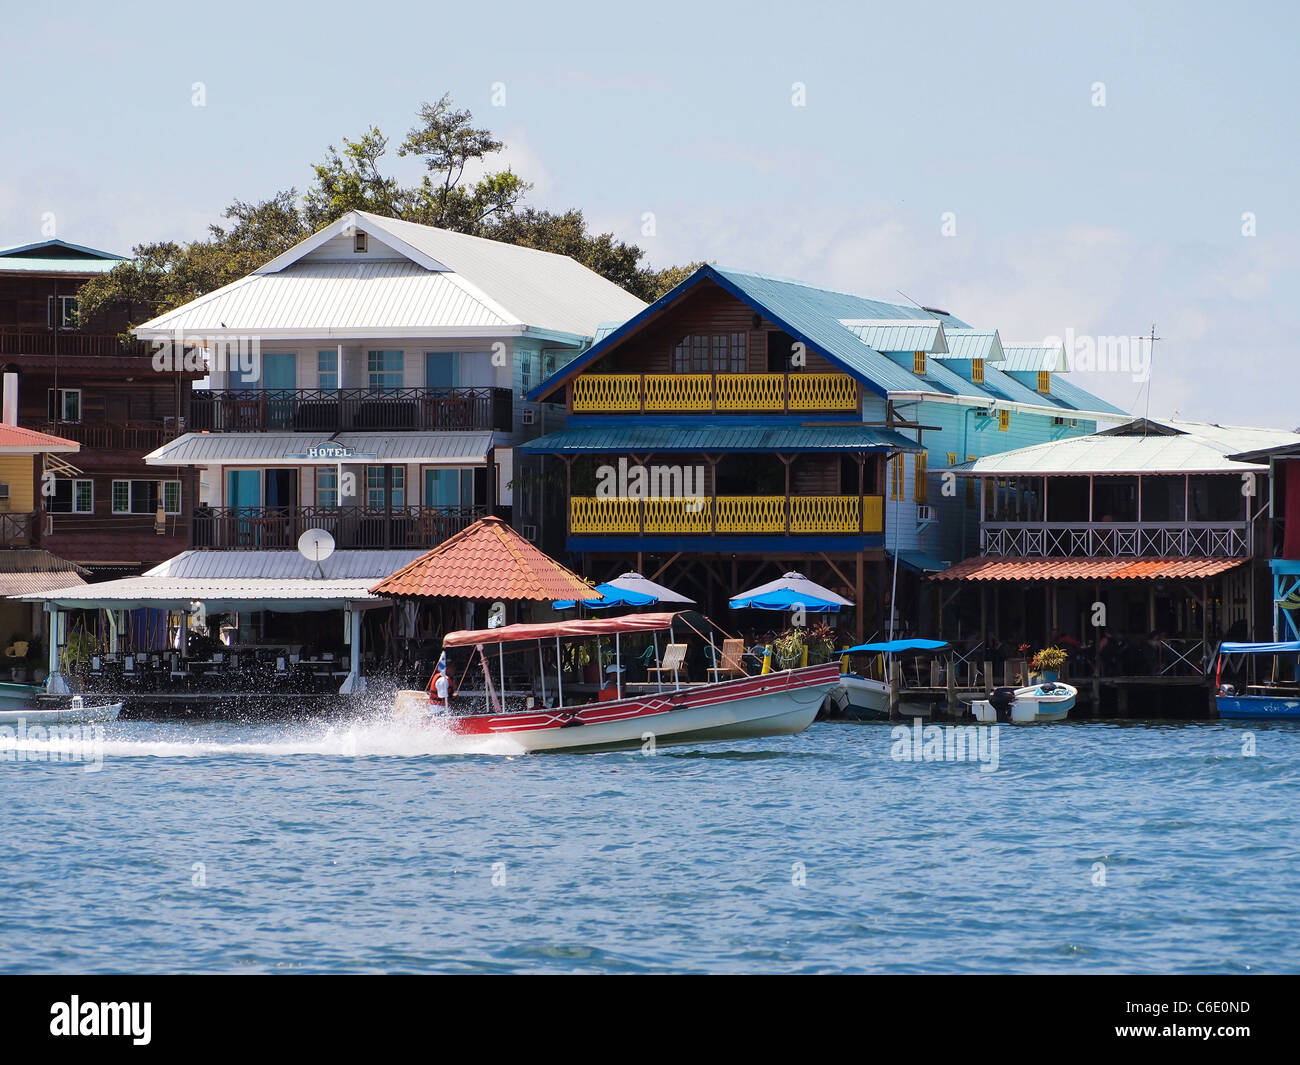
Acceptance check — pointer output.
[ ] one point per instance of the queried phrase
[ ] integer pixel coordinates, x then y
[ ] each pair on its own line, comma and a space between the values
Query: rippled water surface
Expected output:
363, 847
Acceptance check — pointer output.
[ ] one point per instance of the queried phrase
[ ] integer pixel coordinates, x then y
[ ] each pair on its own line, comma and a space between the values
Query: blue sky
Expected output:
1097, 219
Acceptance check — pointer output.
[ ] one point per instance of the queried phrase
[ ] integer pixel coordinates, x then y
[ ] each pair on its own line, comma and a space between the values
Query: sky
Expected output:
1079, 170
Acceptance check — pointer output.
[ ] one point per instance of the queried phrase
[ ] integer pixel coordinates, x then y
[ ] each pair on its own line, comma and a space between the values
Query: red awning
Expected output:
1083, 569
549, 630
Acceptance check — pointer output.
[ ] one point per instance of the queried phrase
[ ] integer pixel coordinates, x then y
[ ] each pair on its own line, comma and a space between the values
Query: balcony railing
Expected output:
1115, 539
16, 530
135, 435
69, 342
736, 393
269, 528
705, 516
355, 409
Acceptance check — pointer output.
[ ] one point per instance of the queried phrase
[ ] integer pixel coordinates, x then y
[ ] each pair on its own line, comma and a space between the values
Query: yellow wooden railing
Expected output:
822, 391
678, 391
678, 515
759, 514
595, 515
751, 391
709, 392
732, 514
607, 391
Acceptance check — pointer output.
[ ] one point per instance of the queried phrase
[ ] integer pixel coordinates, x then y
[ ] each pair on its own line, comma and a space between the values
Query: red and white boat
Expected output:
665, 714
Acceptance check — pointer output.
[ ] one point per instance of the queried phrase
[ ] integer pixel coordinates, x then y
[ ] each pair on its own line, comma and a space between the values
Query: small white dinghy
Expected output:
1038, 703
77, 712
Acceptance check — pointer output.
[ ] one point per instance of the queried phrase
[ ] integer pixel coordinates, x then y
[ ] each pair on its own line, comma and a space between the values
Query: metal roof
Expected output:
240, 580
623, 437
79, 251
973, 344
1096, 569
17, 440
1030, 358
898, 334
26, 264
434, 448
445, 282
1194, 448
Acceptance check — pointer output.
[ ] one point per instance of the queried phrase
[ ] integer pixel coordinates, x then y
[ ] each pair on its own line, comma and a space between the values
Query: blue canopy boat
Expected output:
1275, 700
864, 697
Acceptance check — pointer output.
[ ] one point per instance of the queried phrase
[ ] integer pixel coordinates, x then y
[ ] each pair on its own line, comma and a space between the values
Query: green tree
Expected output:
166, 274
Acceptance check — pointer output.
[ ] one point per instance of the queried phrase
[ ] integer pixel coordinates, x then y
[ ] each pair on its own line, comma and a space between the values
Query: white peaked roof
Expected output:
898, 334
423, 282
1171, 447
1031, 358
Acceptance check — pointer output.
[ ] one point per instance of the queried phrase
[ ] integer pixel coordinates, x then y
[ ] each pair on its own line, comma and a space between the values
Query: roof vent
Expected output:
359, 242
935, 310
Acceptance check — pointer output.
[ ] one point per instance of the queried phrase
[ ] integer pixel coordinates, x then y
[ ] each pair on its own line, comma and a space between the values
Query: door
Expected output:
279, 379
244, 507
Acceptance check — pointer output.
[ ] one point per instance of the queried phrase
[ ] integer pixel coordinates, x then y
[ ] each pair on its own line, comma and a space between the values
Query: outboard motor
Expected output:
1001, 699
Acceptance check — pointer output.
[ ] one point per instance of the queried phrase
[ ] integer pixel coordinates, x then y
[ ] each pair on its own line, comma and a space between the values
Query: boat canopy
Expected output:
894, 646
559, 629
1290, 647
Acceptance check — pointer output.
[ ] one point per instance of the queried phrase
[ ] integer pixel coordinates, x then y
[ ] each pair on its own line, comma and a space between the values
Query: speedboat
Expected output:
1034, 704
1275, 700
861, 696
666, 712
76, 712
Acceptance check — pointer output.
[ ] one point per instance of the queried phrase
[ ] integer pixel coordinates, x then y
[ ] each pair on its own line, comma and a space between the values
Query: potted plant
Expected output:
1048, 662
790, 649
820, 639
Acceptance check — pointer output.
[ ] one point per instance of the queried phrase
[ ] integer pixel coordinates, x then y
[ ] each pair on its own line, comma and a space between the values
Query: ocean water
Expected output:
362, 846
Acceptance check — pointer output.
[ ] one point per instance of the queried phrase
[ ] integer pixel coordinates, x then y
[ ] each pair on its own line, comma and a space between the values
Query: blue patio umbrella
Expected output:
789, 592
613, 596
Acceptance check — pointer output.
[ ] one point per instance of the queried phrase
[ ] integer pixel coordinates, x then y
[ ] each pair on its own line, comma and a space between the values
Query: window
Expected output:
525, 372
717, 353
64, 404
918, 363
360, 243
548, 365
327, 370
141, 497
375, 487
442, 369
1045, 381
62, 312
71, 497
327, 486
977, 371
385, 370
1004, 420
920, 483
448, 488
897, 474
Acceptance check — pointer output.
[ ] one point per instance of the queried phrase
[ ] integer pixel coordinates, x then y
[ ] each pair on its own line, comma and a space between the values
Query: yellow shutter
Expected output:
918, 362
1045, 381
896, 476
1004, 420
919, 480
977, 371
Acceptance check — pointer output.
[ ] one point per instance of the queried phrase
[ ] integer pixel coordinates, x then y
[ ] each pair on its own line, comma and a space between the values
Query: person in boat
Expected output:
440, 687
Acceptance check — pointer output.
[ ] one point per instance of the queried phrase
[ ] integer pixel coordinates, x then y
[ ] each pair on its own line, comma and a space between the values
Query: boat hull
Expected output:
1032, 706
1257, 708
67, 715
775, 704
858, 698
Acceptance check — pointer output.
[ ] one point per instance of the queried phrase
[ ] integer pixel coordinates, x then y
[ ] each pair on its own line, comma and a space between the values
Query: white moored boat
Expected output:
1035, 703
863, 692
77, 712
672, 711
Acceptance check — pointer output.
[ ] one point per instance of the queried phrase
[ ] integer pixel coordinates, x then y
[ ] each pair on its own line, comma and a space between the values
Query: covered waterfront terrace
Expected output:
219, 623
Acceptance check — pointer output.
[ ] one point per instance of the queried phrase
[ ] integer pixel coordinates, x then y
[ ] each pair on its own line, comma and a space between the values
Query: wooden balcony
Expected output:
17, 529
354, 409
69, 342
707, 516
272, 528
723, 393
134, 435
1115, 539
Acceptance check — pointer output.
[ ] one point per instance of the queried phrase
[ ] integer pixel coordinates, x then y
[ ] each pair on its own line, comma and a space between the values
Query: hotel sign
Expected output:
331, 453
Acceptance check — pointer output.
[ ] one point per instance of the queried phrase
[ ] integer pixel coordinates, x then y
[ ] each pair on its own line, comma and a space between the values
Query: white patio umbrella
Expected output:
787, 592
634, 582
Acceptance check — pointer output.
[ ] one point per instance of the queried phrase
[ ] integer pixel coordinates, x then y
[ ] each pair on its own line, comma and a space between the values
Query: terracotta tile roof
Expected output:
1097, 569
14, 438
486, 560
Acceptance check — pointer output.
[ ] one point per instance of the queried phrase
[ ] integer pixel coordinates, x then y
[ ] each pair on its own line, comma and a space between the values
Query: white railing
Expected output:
1045, 539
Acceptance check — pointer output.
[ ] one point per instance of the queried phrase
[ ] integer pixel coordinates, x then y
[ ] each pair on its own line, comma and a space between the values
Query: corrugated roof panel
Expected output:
892, 334
702, 438
1097, 569
281, 565
973, 344
198, 449
1030, 358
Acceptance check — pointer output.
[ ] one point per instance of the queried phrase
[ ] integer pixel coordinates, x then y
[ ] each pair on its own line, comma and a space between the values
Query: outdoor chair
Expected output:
673, 660
731, 665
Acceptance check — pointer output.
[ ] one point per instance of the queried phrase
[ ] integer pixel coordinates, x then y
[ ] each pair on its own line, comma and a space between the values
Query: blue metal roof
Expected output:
973, 344
895, 335
624, 435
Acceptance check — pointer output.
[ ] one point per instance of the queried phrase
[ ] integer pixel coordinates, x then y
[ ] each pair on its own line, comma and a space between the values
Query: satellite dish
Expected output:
316, 545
